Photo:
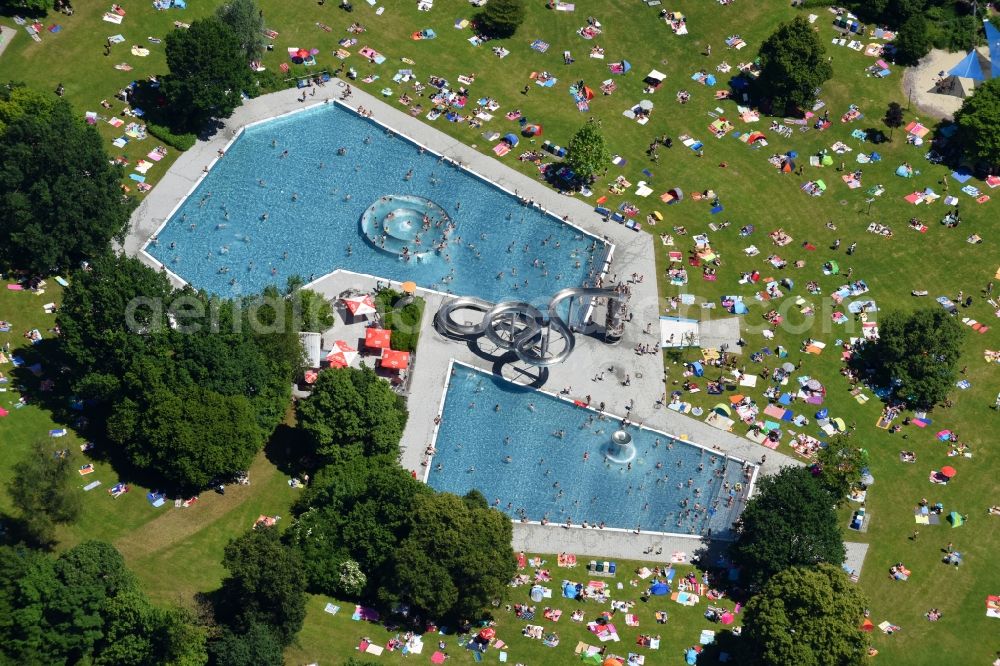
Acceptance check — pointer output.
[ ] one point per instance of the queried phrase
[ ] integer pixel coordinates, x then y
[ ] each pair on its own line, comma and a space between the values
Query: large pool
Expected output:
289, 196
525, 451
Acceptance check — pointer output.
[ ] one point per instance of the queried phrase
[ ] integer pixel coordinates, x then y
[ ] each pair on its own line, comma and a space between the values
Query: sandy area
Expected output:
920, 82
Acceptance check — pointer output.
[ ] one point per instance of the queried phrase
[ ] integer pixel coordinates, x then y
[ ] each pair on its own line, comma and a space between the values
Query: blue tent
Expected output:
659, 588
569, 590
993, 39
512, 139
739, 308
691, 656
969, 68
697, 369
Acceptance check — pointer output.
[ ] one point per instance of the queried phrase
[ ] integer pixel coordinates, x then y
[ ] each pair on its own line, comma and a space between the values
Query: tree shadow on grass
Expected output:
290, 451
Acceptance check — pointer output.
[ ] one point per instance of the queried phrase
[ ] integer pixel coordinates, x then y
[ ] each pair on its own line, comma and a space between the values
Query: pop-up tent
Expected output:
956, 519
569, 590
659, 589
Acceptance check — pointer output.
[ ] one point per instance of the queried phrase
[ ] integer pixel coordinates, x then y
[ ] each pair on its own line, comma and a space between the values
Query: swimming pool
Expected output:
289, 196
527, 449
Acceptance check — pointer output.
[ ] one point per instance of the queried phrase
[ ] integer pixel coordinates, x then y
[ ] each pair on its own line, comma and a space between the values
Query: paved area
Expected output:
919, 82
6, 35
633, 383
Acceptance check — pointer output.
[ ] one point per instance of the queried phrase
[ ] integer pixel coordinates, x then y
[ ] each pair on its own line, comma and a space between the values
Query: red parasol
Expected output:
488, 633
397, 360
311, 376
948, 472
342, 355
360, 305
302, 53
377, 338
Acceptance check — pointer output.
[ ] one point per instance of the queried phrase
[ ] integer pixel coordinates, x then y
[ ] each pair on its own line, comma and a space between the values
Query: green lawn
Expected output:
331, 639
178, 552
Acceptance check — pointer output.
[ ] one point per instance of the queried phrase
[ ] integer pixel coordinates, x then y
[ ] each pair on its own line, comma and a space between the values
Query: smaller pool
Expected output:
407, 225
538, 457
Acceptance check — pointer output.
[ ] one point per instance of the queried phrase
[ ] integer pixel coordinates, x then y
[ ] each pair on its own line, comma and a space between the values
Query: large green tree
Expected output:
916, 354
357, 510
59, 195
189, 437
42, 489
188, 387
208, 73
86, 607
352, 412
246, 20
793, 65
807, 616
839, 466
587, 153
501, 18
265, 585
979, 123
456, 560
791, 521
912, 42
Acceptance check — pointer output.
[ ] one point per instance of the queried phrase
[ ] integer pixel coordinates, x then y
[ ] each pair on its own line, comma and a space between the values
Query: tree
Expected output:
208, 71
33, 7
790, 522
188, 438
912, 41
257, 646
315, 312
153, 358
352, 578
357, 510
793, 65
916, 355
456, 560
501, 18
246, 20
265, 585
808, 616
86, 607
42, 490
61, 205
587, 151
979, 123
893, 117
353, 412
839, 466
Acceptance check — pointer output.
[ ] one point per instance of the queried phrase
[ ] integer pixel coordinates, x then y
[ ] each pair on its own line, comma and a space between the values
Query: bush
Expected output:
404, 322
178, 141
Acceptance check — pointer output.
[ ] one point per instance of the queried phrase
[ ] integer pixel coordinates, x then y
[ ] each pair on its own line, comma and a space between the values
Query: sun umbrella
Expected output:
302, 53
488, 633
814, 385
726, 618
342, 355
396, 360
409, 287
948, 472
311, 376
377, 338
360, 305
788, 367
645, 105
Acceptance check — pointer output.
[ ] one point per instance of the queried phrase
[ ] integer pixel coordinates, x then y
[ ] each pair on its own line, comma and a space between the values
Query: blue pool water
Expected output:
314, 198
547, 476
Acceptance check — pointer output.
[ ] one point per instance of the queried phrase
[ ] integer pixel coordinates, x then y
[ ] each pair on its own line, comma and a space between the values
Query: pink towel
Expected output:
15, 287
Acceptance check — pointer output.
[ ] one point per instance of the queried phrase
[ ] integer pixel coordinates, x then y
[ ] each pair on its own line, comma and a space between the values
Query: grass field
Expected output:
178, 552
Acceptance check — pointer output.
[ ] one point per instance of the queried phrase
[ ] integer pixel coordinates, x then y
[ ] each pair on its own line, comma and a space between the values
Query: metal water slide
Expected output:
520, 326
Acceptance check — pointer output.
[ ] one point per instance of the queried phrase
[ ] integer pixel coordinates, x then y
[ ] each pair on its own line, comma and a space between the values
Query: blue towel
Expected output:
717, 209
647, 173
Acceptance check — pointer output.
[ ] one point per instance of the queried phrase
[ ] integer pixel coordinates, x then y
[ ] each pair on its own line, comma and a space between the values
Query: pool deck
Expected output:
429, 373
